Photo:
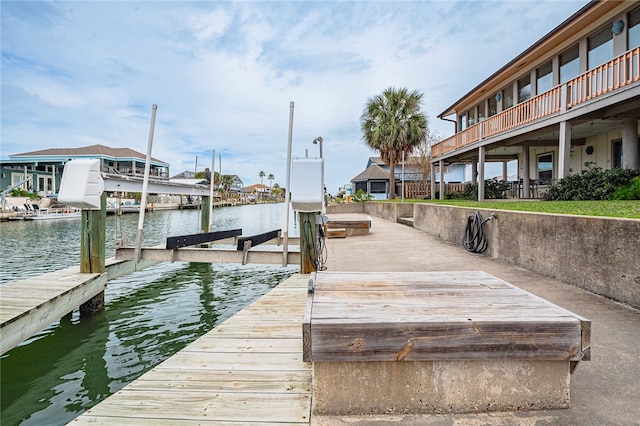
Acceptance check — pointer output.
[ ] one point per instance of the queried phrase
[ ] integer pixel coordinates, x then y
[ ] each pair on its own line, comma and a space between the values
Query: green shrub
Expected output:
628, 192
362, 196
24, 193
592, 183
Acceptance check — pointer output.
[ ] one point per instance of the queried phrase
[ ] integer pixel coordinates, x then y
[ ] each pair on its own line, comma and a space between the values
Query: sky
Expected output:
223, 74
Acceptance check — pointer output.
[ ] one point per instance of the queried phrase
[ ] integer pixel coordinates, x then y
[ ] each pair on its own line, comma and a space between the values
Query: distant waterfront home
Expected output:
44, 167
375, 181
571, 98
257, 191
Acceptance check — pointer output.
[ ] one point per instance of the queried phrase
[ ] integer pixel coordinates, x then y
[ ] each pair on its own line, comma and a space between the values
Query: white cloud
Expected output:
223, 73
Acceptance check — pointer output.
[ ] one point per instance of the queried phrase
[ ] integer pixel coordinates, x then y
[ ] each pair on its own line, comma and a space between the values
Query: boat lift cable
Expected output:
474, 238
321, 249
316, 247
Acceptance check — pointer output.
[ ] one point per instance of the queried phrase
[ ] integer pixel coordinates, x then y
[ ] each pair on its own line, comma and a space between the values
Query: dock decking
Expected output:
249, 369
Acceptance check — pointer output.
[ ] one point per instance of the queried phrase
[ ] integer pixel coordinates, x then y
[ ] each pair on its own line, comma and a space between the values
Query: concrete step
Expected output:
406, 221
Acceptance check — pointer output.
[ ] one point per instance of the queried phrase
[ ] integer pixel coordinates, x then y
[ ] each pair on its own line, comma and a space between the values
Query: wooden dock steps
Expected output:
353, 226
336, 233
247, 370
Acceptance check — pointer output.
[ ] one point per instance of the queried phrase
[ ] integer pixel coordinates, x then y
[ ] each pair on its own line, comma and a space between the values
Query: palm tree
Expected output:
392, 123
261, 175
270, 178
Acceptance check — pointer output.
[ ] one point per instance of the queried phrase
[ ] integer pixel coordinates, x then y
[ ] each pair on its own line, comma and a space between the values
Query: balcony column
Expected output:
504, 171
433, 181
474, 172
481, 152
441, 169
630, 143
526, 179
564, 149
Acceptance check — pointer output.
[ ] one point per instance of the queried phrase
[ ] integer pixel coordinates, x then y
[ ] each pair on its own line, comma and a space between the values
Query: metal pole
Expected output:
145, 185
285, 239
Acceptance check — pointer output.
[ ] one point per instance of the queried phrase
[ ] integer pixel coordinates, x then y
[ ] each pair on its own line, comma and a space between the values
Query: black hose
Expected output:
474, 239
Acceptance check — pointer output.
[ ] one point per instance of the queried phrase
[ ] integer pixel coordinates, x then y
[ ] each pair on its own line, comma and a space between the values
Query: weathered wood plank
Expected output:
236, 361
217, 344
445, 341
208, 405
262, 381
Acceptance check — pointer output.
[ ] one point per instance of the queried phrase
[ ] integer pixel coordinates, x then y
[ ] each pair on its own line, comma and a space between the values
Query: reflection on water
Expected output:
148, 316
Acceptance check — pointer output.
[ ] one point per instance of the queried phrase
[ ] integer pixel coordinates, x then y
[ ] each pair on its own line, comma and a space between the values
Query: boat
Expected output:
51, 214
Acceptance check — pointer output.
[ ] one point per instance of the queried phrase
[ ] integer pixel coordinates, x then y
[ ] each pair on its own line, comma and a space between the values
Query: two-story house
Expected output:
41, 170
571, 99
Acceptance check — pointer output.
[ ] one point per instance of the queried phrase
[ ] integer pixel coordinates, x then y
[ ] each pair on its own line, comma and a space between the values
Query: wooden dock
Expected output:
248, 370
30, 305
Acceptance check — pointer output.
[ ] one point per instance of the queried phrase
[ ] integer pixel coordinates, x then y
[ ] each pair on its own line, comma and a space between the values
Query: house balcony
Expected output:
599, 96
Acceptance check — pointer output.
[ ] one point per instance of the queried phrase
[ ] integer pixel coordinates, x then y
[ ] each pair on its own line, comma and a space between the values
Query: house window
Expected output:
507, 94
481, 114
600, 48
378, 187
493, 106
463, 121
544, 78
524, 89
545, 167
569, 64
361, 186
633, 33
471, 117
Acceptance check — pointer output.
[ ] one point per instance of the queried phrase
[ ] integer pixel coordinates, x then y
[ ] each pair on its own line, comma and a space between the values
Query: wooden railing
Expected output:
617, 73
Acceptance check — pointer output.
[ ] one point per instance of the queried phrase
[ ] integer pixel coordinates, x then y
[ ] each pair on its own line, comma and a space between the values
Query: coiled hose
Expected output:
474, 239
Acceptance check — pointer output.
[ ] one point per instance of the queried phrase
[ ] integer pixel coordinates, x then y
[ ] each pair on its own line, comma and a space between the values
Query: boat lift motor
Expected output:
307, 184
82, 185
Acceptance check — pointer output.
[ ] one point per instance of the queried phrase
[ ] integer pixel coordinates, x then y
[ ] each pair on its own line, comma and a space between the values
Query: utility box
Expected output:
307, 184
81, 185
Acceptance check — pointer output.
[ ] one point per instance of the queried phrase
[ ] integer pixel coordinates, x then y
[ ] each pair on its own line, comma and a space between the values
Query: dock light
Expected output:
318, 141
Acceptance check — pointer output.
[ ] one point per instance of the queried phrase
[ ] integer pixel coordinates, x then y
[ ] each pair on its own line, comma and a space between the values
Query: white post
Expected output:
564, 149
53, 179
402, 198
285, 241
213, 163
481, 153
145, 185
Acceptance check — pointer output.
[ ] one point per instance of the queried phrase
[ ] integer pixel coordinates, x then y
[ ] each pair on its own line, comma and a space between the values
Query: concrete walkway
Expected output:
604, 391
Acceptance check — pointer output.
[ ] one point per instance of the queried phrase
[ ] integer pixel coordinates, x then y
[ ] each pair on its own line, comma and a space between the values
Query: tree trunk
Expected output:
392, 180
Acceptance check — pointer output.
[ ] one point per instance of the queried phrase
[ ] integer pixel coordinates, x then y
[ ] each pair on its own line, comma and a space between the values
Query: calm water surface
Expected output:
148, 316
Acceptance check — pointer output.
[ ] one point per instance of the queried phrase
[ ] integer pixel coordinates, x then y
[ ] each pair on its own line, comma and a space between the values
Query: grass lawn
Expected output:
626, 209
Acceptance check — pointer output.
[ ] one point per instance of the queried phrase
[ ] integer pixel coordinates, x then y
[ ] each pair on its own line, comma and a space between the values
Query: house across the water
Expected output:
570, 101
41, 170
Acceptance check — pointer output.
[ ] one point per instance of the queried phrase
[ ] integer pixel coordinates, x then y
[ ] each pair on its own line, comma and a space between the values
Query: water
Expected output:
149, 315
